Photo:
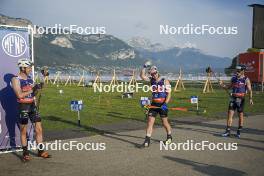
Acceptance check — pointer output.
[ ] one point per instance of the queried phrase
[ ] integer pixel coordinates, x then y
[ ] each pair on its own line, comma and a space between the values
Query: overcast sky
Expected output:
129, 18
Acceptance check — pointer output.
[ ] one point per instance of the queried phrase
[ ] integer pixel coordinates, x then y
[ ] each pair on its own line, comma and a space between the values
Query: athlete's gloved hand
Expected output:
147, 64
37, 87
164, 107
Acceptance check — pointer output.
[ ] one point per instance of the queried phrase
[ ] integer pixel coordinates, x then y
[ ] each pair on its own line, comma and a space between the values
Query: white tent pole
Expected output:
32, 51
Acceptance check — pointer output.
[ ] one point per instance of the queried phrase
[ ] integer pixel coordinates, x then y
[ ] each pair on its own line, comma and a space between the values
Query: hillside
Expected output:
106, 51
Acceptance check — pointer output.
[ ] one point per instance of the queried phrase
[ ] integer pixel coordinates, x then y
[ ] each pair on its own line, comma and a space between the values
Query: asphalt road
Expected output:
123, 157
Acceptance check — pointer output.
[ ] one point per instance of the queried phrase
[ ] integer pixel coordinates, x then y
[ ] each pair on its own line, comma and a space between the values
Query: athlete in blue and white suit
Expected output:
25, 91
240, 86
161, 95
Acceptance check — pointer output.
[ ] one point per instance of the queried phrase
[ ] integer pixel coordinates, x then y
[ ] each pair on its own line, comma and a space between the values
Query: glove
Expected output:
37, 87
164, 107
147, 64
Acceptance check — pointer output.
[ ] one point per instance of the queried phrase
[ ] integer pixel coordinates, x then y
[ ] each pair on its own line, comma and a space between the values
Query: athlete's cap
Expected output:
24, 62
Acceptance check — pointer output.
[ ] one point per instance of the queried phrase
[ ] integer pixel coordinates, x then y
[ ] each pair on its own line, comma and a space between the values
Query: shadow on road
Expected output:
252, 147
105, 133
216, 126
110, 134
208, 169
217, 134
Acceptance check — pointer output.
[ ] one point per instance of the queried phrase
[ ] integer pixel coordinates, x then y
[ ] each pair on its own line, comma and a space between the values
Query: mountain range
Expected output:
103, 50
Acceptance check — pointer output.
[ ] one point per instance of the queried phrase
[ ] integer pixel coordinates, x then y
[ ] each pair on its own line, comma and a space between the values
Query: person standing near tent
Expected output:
161, 94
25, 93
240, 85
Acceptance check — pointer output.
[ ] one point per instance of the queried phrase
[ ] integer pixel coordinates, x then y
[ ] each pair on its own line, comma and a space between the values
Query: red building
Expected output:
255, 65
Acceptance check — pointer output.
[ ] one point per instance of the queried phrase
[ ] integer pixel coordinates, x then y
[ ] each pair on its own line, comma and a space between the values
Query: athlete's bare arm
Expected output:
168, 89
17, 89
225, 86
143, 75
249, 89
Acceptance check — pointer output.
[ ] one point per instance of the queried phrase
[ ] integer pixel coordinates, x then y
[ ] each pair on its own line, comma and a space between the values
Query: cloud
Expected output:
126, 19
